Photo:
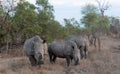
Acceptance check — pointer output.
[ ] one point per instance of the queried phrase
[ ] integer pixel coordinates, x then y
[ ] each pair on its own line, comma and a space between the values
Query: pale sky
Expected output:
72, 8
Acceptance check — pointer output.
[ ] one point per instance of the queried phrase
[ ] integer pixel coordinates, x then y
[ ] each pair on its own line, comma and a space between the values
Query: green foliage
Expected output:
54, 30
25, 19
5, 25
45, 10
90, 19
71, 27
115, 25
93, 20
44, 15
29, 20
103, 24
89, 8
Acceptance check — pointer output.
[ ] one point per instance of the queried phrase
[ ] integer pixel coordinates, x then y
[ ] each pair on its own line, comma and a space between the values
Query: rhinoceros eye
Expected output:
73, 47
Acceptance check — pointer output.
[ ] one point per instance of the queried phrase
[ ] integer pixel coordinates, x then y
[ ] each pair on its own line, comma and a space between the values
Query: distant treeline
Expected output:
21, 20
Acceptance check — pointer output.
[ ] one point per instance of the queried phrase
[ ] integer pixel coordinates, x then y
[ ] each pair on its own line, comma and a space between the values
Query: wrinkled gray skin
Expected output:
32, 50
63, 49
81, 44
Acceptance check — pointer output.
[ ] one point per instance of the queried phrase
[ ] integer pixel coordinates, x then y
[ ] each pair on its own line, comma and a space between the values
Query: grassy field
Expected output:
106, 61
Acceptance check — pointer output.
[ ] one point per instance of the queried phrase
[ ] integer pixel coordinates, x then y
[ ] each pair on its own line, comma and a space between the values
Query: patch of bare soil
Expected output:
106, 61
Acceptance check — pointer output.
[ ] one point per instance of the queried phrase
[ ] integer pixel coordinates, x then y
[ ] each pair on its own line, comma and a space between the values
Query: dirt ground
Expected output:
106, 61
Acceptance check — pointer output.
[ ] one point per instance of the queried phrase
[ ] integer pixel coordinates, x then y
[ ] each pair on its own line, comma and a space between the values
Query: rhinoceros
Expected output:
32, 48
81, 44
63, 49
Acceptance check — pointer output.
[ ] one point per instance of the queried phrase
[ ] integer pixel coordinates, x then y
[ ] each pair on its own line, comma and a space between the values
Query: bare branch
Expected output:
103, 6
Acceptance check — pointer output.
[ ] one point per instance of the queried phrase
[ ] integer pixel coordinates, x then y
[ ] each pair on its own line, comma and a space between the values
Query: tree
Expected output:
6, 10
72, 27
115, 25
90, 19
90, 14
44, 13
103, 6
89, 8
54, 30
25, 19
93, 19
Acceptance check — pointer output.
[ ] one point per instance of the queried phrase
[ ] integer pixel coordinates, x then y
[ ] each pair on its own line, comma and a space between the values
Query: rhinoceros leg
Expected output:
50, 56
81, 53
32, 60
85, 51
54, 58
68, 60
95, 42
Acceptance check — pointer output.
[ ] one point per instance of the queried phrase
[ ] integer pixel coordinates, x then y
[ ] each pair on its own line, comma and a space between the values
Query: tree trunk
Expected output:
7, 47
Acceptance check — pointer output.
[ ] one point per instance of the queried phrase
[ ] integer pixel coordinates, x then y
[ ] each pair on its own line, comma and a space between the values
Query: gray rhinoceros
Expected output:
32, 48
63, 49
81, 44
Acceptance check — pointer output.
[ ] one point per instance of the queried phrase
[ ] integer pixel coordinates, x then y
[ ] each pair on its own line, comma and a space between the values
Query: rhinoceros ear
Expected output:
44, 41
36, 38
